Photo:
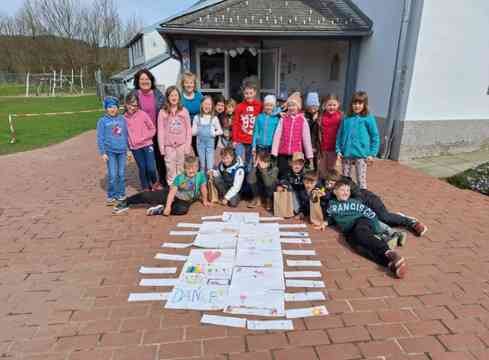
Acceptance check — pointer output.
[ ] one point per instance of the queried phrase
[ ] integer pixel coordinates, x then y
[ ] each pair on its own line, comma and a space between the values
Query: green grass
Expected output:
12, 90
40, 131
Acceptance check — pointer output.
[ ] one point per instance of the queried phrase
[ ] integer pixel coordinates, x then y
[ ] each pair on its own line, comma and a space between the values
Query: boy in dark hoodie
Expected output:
112, 146
263, 180
360, 226
293, 181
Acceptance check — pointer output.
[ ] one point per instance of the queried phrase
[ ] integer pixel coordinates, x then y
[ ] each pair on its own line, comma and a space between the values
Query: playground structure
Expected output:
54, 83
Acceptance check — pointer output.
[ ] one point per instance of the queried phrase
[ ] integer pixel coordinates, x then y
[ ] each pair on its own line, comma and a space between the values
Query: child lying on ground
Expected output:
263, 180
229, 177
187, 187
374, 202
360, 226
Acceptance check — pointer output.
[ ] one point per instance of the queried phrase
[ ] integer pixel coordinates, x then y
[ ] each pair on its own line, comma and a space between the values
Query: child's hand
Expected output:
129, 157
105, 157
224, 202
167, 211
280, 189
321, 227
370, 160
210, 174
206, 203
339, 156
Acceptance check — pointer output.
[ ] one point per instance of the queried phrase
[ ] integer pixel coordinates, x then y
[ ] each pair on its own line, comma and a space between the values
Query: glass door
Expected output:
212, 70
269, 71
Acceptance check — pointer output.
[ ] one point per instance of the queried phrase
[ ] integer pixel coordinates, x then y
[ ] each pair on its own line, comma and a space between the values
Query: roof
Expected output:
271, 17
129, 73
140, 34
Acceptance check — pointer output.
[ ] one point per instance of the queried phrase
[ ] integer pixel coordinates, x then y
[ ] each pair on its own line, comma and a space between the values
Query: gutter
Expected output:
403, 73
262, 32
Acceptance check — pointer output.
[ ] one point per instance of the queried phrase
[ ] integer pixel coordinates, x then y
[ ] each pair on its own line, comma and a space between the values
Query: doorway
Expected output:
241, 67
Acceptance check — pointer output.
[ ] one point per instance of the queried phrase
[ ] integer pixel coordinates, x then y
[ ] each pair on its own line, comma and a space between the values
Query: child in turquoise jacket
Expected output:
265, 125
358, 140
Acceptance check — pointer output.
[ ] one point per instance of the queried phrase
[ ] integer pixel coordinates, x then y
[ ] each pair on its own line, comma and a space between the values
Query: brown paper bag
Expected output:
283, 205
213, 194
316, 213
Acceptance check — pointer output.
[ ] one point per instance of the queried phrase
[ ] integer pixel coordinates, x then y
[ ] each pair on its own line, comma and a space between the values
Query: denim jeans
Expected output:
205, 149
245, 152
145, 159
116, 175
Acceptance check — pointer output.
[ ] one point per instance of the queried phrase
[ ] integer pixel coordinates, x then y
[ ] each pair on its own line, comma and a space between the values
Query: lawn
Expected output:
40, 131
12, 89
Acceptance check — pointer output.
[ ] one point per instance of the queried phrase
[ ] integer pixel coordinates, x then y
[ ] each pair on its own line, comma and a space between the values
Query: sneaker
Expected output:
157, 186
155, 210
397, 264
120, 208
110, 202
121, 199
401, 238
418, 228
268, 204
392, 242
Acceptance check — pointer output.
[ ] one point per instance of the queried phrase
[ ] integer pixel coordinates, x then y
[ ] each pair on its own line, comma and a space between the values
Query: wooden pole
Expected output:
81, 80
72, 80
61, 79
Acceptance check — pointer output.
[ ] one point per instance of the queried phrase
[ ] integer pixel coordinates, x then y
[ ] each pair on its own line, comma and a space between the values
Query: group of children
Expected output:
256, 149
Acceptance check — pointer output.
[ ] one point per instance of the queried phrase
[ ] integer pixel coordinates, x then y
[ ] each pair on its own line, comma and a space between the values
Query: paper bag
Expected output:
316, 213
213, 194
283, 205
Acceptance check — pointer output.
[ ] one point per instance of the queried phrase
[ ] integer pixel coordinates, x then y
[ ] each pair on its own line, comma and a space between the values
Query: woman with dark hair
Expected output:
151, 101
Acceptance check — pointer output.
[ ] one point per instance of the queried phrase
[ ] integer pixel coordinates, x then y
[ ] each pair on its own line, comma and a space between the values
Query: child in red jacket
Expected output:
244, 123
328, 128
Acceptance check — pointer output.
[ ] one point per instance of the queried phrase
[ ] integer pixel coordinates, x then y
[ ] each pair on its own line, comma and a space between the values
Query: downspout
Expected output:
406, 51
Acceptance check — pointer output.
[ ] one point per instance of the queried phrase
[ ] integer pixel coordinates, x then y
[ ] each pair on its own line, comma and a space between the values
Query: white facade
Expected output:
451, 70
148, 46
378, 52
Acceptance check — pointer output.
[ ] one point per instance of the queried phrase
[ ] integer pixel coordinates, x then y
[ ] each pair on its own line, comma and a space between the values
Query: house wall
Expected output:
448, 105
166, 73
378, 52
137, 52
306, 64
154, 45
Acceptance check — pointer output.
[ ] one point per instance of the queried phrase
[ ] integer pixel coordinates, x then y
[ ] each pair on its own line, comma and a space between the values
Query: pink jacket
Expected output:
292, 135
140, 129
174, 130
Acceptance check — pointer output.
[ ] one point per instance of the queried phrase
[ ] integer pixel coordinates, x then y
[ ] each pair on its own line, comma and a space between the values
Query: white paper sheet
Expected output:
177, 245
292, 283
270, 325
271, 218
157, 270
299, 252
133, 297
241, 217
253, 258
304, 263
158, 282
223, 321
189, 225
307, 296
215, 241
210, 271
296, 241
302, 274
306, 312
292, 226
183, 233
211, 256
260, 237
293, 234
213, 217
257, 279
173, 257
198, 298
271, 303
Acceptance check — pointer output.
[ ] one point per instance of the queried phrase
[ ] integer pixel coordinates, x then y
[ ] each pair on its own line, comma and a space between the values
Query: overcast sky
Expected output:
150, 11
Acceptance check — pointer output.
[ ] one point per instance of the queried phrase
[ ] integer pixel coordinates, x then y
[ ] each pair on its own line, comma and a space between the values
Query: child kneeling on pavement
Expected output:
263, 180
360, 226
229, 177
293, 181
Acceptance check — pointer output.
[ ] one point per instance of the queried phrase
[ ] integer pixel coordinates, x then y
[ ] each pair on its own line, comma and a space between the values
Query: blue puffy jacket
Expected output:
265, 126
358, 137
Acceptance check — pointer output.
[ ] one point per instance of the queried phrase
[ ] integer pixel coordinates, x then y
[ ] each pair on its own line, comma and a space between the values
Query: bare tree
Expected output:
133, 26
60, 17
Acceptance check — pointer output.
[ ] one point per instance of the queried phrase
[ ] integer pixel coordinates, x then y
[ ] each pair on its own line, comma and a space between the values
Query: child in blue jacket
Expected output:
112, 146
265, 126
358, 141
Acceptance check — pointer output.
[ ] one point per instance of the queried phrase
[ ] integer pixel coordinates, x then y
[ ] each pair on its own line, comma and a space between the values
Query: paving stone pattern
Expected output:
67, 267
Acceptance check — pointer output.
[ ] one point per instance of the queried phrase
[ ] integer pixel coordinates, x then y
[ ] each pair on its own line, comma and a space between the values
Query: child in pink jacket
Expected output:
292, 136
174, 133
141, 130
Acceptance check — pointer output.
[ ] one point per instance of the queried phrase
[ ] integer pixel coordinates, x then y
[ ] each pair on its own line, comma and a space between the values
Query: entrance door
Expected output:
269, 71
241, 66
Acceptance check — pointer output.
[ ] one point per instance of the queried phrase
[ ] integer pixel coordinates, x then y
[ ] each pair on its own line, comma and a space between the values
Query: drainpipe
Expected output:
406, 53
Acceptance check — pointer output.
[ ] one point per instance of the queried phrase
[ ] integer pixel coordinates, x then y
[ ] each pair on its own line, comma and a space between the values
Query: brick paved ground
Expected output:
67, 266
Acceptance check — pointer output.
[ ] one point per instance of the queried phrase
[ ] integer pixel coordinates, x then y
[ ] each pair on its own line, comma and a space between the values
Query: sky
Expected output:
150, 11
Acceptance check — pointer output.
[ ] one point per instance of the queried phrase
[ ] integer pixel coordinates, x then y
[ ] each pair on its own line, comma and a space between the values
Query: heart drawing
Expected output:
211, 256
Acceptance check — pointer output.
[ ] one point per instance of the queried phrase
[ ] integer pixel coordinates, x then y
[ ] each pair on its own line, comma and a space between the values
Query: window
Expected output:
334, 72
212, 72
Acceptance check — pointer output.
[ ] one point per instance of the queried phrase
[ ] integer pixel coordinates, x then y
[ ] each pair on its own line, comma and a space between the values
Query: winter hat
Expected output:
270, 99
283, 95
110, 101
296, 98
312, 99
298, 156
